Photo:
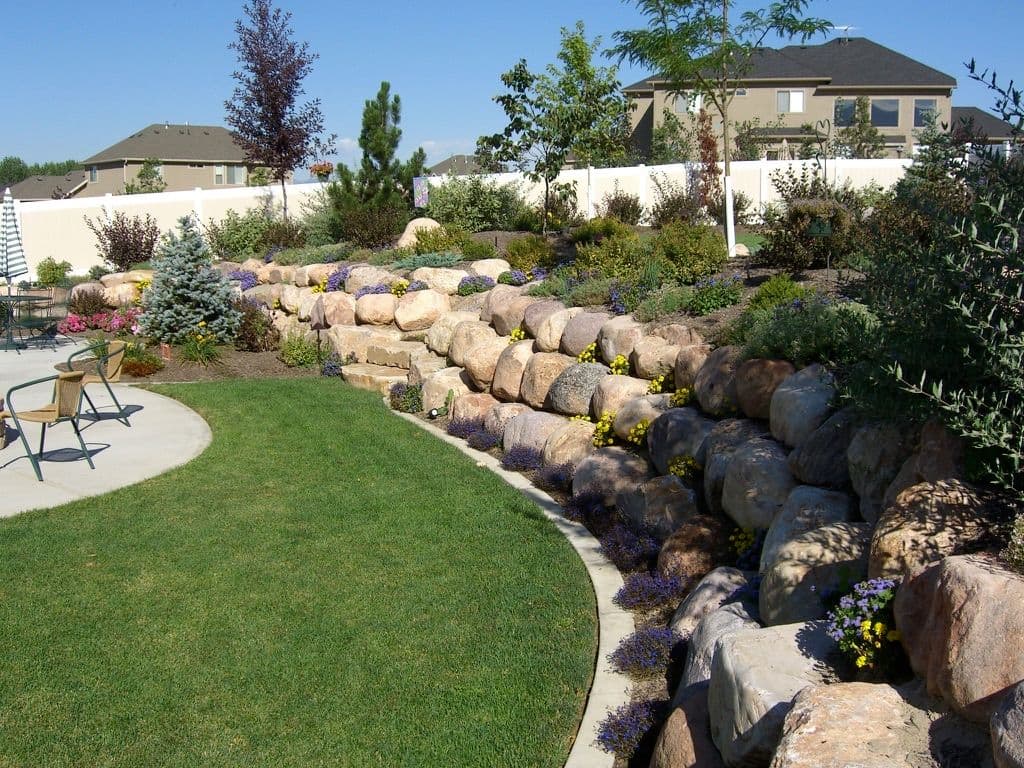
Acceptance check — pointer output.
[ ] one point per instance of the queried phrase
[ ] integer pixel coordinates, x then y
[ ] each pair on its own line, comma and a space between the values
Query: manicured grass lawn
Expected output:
752, 240
325, 585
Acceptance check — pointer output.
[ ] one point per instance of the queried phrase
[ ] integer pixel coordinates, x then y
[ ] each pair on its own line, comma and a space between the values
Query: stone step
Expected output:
395, 354
376, 378
350, 340
422, 367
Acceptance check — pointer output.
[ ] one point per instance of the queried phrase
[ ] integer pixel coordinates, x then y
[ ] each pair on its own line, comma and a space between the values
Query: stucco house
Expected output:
802, 84
190, 155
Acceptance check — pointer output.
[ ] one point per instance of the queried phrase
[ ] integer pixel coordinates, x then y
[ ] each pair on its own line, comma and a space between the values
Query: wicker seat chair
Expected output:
102, 367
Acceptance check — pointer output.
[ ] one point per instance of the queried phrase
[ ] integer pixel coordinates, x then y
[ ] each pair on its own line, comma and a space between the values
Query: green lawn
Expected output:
325, 585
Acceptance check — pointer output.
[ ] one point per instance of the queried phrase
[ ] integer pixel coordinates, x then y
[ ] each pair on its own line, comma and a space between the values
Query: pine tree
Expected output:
187, 293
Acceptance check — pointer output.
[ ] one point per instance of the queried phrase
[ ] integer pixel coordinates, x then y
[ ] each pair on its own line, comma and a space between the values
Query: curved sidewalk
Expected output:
164, 434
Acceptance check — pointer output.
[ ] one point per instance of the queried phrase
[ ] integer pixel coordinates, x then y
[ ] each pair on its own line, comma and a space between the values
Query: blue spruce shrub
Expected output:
187, 291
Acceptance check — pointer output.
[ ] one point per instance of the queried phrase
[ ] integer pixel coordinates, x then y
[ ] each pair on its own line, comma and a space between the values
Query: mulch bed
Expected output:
233, 365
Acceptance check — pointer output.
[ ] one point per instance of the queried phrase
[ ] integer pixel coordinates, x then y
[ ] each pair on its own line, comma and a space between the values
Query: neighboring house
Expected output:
801, 84
50, 187
456, 165
191, 156
988, 128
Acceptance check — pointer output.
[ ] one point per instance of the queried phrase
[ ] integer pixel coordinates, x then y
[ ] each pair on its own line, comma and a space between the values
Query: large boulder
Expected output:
618, 336
1007, 727
678, 335
569, 444
695, 547
530, 430
319, 273
613, 392
939, 456
481, 360
678, 432
536, 313
720, 586
509, 316
264, 294
719, 446
467, 335
928, 522
472, 407
339, 308
806, 508
685, 738
307, 301
548, 334
441, 279
821, 459
757, 484
756, 382
418, 310
439, 337
500, 415
810, 567
749, 699
644, 408
291, 299
609, 472
497, 297
542, 369
719, 623
574, 388
365, 276
652, 356
376, 309
408, 238
801, 403
658, 506
352, 342
963, 631
689, 361
873, 458
581, 331
437, 386
715, 382
491, 268
509, 370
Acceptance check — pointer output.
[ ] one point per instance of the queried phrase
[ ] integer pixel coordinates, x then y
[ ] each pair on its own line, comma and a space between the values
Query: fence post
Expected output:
644, 173
590, 192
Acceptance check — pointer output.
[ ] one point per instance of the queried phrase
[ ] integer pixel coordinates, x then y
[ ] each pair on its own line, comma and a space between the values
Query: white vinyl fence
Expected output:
58, 228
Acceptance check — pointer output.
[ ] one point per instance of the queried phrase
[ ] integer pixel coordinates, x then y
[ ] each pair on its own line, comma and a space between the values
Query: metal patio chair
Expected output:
104, 369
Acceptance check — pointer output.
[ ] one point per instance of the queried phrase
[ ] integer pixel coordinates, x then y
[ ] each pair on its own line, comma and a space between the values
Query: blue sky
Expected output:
81, 76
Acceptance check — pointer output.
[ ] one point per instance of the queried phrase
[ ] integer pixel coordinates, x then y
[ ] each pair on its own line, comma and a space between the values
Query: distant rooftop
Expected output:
456, 165
45, 187
170, 142
992, 127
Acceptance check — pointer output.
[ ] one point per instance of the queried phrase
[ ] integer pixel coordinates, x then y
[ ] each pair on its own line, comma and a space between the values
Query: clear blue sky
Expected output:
78, 76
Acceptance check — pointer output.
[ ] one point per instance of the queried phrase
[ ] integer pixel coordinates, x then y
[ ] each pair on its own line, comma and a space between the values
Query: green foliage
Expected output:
475, 250
861, 139
238, 237
372, 225
187, 291
96, 271
1014, 552
298, 351
672, 202
87, 303
123, 242
715, 294
778, 289
689, 252
427, 260
148, 180
530, 251
256, 331
14, 169
200, 346
672, 141
140, 361
303, 257
622, 206
741, 206
598, 229
789, 244
320, 220
553, 285
444, 238
284, 233
51, 272
473, 204
663, 302
622, 256
589, 293
406, 398
751, 138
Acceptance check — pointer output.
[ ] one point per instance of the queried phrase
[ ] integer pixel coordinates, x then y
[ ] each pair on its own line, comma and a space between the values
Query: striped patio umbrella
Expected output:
12, 255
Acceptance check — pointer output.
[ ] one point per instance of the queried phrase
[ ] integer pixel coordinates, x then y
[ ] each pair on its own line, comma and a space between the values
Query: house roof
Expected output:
852, 62
992, 127
170, 142
43, 187
456, 165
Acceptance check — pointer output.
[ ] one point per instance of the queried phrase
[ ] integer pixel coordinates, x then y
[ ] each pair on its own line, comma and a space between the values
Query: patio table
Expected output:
8, 302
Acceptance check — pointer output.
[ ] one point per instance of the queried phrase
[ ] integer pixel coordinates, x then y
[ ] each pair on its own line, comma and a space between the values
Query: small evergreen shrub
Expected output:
50, 272
689, 252
553, 285
663, 302
139, 361
778, 289
589, 293
285, 233
598, 229
622, 255
789, 244
297, 351
476, 250
529, 251
187, 291
306, 255
256, 331
427, 260
513, 277
122, 241
622, 206
369, 225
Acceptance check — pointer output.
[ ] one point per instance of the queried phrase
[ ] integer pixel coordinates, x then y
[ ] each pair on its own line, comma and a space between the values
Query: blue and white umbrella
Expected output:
12, 255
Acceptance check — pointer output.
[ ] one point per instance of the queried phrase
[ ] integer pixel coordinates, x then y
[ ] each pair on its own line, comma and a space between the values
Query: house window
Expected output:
218, 174
790, 101
845, 112
885, 113
93, 173
740, 92
236, 174
924, 112
196, 165
689, 103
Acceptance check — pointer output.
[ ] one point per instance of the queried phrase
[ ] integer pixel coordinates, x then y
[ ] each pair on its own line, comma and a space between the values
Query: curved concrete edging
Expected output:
609, 689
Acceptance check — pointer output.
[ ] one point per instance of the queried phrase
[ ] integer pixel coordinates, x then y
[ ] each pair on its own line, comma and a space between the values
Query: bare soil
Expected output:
232, 365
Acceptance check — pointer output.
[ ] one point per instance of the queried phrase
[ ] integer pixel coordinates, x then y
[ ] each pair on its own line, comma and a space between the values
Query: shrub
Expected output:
598, 229
139, 361
741, 206
628, 550
778, 289
256, 331
427, 260
123, 242
553, 285
463, 428
529, 251
96, 271
332, 365
304, 256
87, 303
712, 294
407, 398
624, 730
646, 592
622, 206
200, 346
513, 277
320, 221
521, 459
471, 284
666, 301
689, 252
187, 291
119, 321
529, 220
646, 653
589, 293
626, 297
445, 238
623, 255
285, 233
50, 272
482, 440
238, 237
373, 226
863, 626
297, 351
475, 250
1014, 552
789, 244
474, 204
673, 203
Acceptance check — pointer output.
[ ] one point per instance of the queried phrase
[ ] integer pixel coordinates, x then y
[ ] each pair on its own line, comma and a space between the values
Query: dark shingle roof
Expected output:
43, 187
990, 126
199, 143
851, 62
456, 165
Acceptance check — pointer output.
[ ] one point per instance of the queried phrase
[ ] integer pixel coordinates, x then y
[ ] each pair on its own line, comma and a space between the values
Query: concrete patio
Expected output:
163, 434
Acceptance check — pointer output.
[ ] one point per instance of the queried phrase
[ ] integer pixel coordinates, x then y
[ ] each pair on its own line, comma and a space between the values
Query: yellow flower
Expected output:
862, 661
202, 323
879, 628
